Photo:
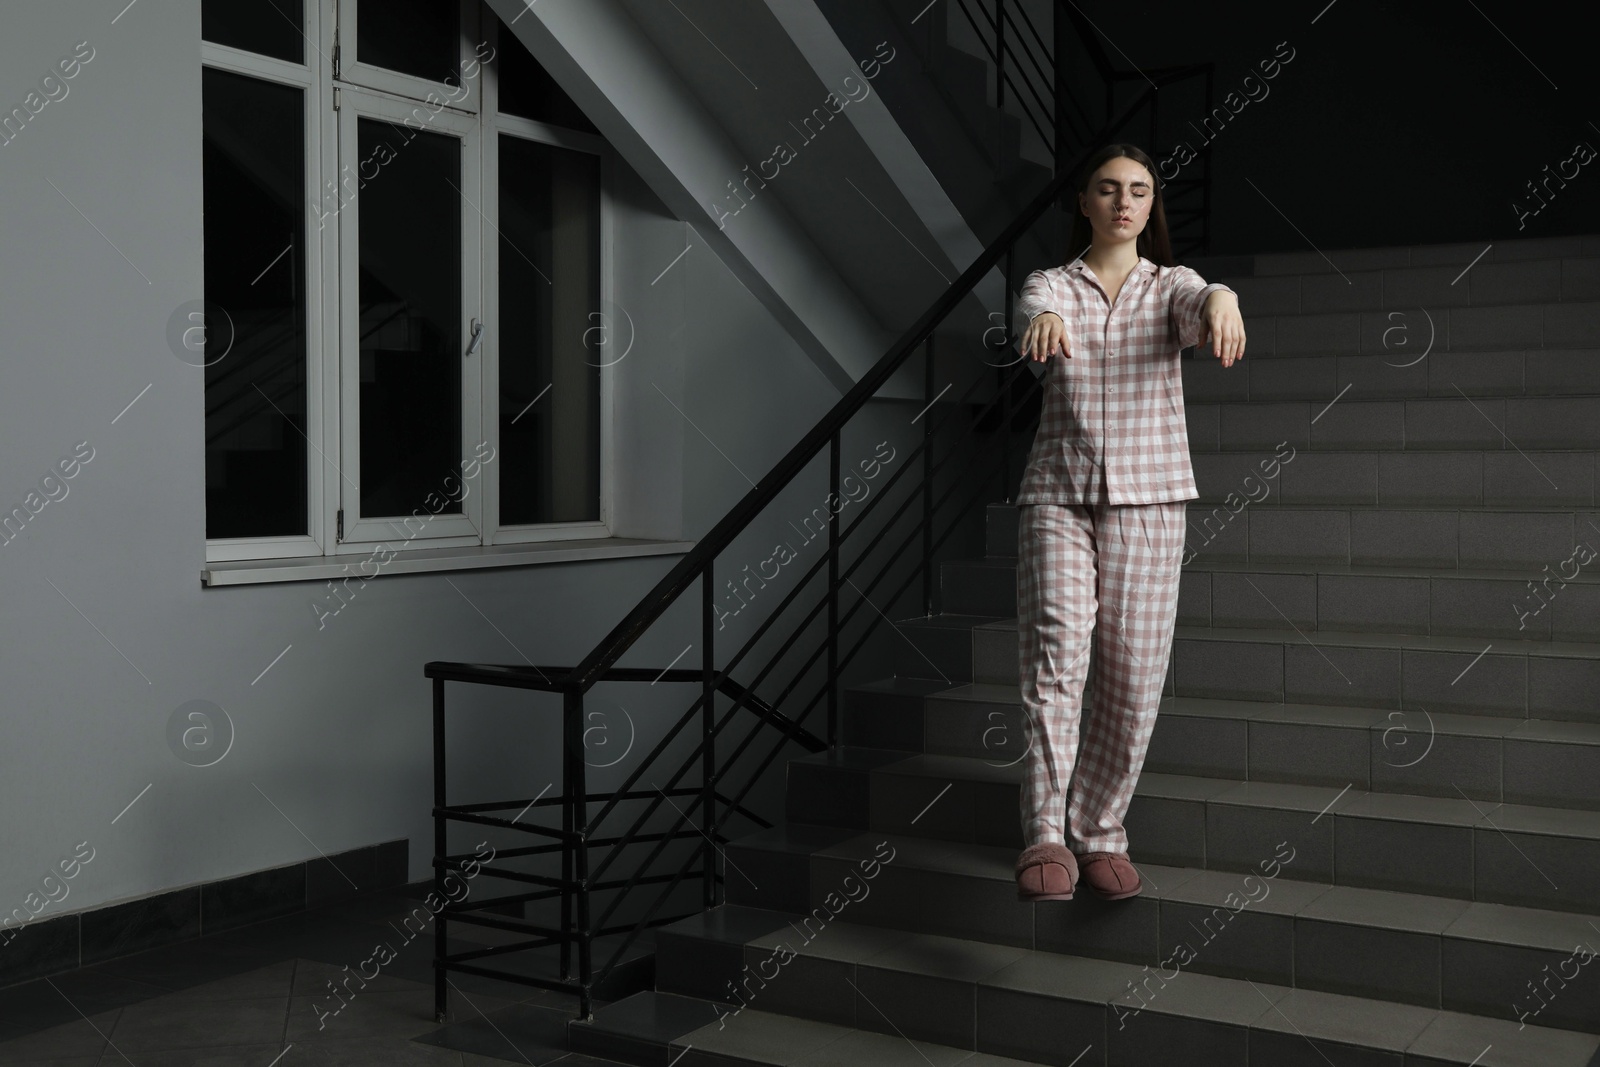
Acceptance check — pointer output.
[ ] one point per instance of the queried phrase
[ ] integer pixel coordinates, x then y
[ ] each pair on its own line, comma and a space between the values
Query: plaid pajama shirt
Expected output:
1100, 540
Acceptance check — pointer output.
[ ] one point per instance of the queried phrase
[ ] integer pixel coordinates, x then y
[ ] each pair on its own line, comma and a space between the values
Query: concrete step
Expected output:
1490, 282
854, 958
1051, 1007
661, 1028
1535, 679
1458, 253
1348, 422
1402, 333
1460, 602
1491, 759
1541, 471
1412, 370
1485, 537
1387, 947
1560, 601
1521, 854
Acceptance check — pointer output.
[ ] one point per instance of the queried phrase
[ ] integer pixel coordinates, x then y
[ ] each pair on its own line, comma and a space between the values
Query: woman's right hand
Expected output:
1046, 337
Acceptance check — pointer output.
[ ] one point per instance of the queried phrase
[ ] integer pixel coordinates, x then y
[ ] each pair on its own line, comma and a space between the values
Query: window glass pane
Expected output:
411, 353
418, 37
254, 321
553, 338
528, 91
269, 27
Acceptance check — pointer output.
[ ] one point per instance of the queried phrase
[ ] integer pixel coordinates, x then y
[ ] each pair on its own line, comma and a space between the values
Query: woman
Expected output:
1101, 518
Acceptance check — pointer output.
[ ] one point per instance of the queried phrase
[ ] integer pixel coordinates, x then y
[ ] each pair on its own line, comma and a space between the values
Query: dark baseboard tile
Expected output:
49, 946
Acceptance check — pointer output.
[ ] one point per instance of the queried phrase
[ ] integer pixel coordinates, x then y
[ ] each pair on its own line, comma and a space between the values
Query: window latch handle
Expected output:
477, 338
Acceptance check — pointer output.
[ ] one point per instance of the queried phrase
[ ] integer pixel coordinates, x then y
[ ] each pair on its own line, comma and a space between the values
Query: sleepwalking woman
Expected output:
1101, 518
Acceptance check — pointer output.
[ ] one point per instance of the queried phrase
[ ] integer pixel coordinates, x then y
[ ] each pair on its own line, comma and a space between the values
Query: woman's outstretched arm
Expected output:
1046, 332
1204, 312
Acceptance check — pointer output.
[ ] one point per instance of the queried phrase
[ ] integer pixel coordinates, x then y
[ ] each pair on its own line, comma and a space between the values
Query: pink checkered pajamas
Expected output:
1100, 543
1112, 569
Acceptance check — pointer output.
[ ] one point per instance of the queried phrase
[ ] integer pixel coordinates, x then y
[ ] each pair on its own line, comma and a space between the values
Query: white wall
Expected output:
337, 733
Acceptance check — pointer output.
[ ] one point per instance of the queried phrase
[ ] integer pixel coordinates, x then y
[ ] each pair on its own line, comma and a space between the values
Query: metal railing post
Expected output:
833, 592
567, 822
1000, 54
1000, 80
577, 791
1205, 178
1007, 380
927, 481
1059, 38
708, 763
441, 990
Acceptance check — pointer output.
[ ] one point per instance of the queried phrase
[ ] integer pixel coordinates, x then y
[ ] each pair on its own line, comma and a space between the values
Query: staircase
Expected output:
990, 160
979, 102
1369, 822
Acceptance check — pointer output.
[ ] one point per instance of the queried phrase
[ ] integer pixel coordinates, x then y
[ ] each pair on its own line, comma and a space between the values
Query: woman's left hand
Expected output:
1223, 327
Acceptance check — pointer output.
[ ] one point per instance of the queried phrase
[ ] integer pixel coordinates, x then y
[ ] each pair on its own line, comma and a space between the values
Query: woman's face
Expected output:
1117, 200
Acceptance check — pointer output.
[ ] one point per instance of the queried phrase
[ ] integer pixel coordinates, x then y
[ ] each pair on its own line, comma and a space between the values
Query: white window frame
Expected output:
577, 140
319, 311
329, 425
362, 533
354, 72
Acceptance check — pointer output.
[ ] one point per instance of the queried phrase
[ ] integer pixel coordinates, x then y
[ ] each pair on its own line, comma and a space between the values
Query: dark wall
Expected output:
1393, 123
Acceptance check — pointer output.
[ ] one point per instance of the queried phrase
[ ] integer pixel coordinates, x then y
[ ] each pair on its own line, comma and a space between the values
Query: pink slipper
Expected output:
1046, 871
1111, 875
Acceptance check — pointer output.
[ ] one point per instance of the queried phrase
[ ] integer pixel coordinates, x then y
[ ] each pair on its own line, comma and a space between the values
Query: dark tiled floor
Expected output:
262, 996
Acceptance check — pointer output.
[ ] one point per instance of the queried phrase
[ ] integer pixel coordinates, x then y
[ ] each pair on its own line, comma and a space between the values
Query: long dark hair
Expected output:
1152, 242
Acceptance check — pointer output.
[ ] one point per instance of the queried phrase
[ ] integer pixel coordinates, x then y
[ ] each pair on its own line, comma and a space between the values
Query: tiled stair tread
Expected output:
1311, 405
1370, 450
1277, 503
1438, 254
1443, 723
1326, 1016
1380, 261
1509, 448
1569, 311
649, 1019
1405, 505
1458, 254
900, 686
1519, 574
1378, 639
1331, 715
1272, 635
949, 621
1378, 909
1317, 799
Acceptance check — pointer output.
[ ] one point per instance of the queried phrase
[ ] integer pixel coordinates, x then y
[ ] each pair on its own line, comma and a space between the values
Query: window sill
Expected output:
427, 560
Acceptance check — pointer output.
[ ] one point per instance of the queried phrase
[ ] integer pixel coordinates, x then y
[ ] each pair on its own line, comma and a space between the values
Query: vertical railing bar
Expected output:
1058, 38
441, 990
927, 483
1205, 197
833, 593
567, 823
1000, 79
1000, 54
708, 766
1006, 380
1155, 104
577, 792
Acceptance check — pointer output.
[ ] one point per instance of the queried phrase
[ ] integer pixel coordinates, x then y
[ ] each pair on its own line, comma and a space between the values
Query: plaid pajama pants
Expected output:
1113, 570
